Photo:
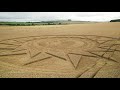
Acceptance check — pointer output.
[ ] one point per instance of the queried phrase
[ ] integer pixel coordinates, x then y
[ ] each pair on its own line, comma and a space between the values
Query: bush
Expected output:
117, 20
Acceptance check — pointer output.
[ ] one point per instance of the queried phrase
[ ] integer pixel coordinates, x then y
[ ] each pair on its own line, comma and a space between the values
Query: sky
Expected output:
46, 16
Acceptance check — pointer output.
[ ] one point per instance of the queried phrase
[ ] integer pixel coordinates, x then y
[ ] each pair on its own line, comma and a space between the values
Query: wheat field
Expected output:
60, 51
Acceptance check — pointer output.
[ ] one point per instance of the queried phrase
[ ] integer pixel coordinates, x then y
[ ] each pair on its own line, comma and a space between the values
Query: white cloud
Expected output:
41, 16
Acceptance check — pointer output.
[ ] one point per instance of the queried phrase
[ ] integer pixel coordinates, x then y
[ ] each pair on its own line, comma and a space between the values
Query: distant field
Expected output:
42, 23
17, 23
60, 51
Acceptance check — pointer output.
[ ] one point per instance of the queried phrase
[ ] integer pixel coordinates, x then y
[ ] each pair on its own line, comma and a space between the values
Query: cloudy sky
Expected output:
44, 16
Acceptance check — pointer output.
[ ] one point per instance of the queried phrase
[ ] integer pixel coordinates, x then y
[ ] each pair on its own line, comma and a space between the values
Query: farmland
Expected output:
89, 50
60, 22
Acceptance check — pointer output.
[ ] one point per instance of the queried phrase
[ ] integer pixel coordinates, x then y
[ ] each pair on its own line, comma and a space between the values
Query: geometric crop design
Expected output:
71, 48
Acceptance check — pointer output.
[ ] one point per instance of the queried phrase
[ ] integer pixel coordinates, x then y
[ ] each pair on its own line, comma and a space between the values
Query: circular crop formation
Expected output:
72, 50
64, 44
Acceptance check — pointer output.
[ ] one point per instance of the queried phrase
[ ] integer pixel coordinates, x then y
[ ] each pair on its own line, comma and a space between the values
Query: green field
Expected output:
43, 23
30, 23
